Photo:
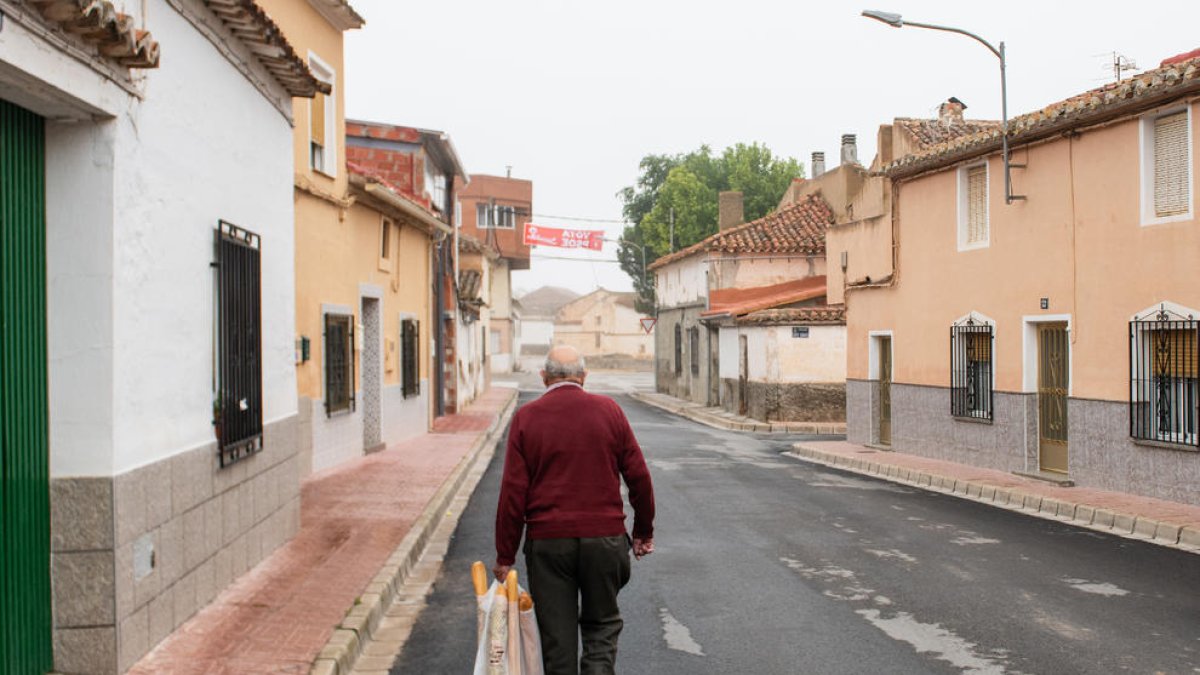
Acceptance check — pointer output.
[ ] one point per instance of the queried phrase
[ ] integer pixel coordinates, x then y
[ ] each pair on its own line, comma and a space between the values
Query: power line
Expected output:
541, 256
585, 220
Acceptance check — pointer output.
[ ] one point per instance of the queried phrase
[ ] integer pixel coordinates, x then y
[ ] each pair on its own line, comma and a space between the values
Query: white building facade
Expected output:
171, 436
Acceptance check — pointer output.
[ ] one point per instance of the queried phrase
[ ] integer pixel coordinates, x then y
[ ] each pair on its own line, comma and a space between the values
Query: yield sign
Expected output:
648, 323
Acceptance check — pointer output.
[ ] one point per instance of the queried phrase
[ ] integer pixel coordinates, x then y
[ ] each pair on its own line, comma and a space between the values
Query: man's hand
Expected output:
501, 572
642, 547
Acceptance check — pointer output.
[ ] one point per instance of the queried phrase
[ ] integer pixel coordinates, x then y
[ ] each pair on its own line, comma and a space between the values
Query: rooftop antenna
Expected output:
1120, 64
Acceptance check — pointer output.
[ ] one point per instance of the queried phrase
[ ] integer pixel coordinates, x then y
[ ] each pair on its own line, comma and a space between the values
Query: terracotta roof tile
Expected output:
740, 301
251, 24
823, 314
98, 23
799, 228
1139, 92
928, 133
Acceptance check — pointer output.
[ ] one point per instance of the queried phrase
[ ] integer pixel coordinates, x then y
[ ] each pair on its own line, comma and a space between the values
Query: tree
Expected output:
685, 187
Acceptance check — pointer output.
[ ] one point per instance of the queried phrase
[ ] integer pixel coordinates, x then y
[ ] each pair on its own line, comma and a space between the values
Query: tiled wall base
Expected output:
404, 418
1101, 454
135, 556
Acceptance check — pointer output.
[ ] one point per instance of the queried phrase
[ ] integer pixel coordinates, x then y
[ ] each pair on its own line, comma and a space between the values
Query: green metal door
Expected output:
25, 623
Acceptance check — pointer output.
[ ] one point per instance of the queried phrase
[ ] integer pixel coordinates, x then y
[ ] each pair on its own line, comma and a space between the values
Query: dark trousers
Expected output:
564, 572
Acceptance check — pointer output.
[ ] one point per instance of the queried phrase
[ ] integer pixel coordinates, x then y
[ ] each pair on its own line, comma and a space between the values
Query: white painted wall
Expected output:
727, 345
136, 200
682, 282
537, 331
753, 271
777, 357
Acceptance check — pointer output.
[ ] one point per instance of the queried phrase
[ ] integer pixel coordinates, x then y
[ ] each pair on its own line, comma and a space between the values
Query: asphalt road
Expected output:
765, 564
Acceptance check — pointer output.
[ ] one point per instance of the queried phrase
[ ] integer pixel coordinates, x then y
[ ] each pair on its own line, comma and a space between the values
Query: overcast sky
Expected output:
573, 94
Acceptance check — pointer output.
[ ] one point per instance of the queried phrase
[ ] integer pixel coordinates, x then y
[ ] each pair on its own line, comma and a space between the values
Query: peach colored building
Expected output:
1054, 335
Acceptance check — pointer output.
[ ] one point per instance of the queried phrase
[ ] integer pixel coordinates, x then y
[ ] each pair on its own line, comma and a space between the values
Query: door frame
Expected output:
875, 341
1030, 357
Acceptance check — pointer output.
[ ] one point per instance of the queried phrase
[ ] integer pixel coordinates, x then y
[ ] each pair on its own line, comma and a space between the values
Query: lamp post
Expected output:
896, 21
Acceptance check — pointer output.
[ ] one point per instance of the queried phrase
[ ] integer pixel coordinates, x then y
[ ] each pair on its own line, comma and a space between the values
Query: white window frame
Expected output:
325, 72
964, 207
484, 209
1146, 148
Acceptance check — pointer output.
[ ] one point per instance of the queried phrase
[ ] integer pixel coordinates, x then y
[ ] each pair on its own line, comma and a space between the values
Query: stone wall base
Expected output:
788, 402
136, 555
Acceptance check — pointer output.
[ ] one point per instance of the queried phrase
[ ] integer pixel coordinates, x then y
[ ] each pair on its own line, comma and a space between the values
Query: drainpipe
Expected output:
439, 370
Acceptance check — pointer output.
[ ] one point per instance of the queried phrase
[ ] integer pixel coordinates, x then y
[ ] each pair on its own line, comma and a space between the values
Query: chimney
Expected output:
818, 164
951, 112
508, 171
729, 210
849, 149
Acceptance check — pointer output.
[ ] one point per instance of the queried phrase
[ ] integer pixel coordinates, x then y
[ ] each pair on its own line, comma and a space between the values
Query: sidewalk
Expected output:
363, 527
1158, 521
723, 419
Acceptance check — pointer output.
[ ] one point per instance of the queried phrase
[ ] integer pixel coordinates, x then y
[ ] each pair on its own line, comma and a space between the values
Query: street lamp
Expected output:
896, 21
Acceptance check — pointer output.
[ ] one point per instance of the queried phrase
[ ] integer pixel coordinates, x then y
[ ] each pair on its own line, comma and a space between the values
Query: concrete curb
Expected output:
1090, 516
355, 631
698, 413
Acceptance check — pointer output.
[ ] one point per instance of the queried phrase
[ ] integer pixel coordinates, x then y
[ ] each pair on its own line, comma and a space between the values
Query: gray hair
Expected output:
558, 370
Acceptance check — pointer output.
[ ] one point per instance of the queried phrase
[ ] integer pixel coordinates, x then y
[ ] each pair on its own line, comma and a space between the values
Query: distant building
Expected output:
538, 308
494, 210
603, 323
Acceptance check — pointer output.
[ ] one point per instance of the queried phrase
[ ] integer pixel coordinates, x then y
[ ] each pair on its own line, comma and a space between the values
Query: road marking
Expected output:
1096, 587
677, 635
931, 638
973, 541
892, 553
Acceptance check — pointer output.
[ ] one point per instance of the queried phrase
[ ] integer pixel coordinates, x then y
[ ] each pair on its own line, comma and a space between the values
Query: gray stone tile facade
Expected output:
1101, 453
135, 556
684, 384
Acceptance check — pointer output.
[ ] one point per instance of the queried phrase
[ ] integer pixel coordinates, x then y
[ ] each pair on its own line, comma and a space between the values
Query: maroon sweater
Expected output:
567, 452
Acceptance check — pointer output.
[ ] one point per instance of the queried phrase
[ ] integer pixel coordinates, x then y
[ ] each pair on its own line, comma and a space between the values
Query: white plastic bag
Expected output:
508, 637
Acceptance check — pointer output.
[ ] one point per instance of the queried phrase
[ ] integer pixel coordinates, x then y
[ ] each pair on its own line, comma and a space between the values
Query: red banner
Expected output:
560, 238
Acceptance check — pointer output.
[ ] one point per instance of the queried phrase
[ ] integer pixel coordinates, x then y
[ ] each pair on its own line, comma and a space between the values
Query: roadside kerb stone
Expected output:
1167, 533
1124, 523
1144, 528
1084, 514
1104, 519
354, 632
1189, 538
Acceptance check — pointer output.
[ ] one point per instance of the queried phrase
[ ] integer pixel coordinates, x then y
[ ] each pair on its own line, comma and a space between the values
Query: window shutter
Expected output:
1178, 356
1170, 165
977, 223
317, 133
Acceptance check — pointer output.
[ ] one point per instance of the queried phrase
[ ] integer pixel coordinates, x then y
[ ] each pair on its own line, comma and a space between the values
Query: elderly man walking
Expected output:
567, 453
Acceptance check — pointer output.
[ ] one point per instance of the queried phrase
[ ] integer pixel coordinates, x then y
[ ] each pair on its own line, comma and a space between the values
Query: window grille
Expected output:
237, 405
678, 349
694, 349
977, 215
410, 362
971, 349
1164, 404
1171, 179
339, 363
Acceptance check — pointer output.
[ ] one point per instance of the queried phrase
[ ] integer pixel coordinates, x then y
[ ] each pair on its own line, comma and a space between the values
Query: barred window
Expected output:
237, 405
339, 363
971, 370
694, 349
410, 360
1164, 403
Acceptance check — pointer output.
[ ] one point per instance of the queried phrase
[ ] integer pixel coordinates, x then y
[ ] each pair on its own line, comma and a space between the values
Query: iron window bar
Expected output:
1164, 400
237, 401
339, 364
972, 345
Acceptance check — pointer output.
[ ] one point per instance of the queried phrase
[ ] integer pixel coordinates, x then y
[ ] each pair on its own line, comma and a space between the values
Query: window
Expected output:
435, 184
678, 349
386, 229
1166, 167
339, 363
237, 403
1164, 402
694, 349
971, 370
973, 229
323, 121
410, 360
492, 216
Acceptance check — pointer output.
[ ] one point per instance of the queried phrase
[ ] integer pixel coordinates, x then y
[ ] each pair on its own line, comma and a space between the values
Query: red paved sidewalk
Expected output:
277, 617
1163, 522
